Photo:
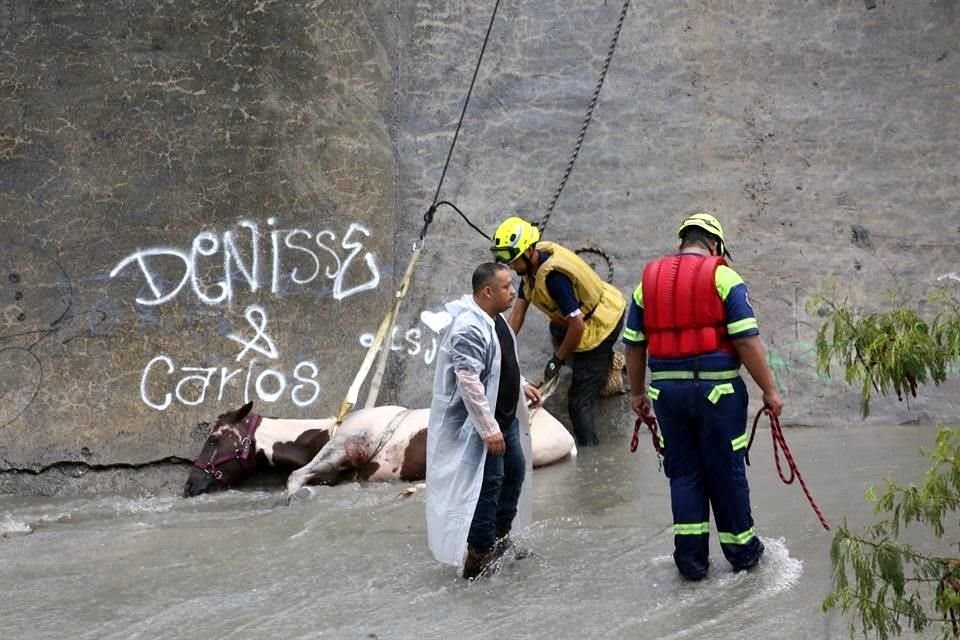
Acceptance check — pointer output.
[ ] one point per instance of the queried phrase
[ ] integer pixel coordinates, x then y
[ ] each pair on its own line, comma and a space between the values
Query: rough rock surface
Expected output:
206, 202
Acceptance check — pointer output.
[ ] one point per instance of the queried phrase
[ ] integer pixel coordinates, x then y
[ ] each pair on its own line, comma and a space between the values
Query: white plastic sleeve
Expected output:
475, 400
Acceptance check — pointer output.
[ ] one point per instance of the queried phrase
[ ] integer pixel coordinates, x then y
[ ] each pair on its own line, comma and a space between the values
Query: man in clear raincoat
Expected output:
478, 436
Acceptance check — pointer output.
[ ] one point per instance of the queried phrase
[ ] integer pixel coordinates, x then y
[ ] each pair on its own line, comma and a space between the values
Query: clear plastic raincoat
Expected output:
455, 450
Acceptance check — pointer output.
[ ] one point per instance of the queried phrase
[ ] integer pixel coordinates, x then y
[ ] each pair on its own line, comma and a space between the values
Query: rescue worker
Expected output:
586, 314
691, 316
477, 452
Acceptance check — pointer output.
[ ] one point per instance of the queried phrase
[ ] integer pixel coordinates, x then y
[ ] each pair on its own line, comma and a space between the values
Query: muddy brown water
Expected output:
351, 561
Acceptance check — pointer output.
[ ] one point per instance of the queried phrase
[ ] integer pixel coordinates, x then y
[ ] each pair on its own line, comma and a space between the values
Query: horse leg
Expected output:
325, 468
350, 452
318, 471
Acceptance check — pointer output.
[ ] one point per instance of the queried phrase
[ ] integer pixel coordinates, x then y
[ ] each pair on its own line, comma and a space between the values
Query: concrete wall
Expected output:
207, 202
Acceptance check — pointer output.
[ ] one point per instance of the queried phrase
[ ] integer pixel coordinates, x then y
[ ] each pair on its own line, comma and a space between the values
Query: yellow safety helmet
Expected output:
709, 224
513, 237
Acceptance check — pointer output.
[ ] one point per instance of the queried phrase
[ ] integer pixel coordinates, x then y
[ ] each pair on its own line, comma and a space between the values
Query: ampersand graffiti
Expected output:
257, 318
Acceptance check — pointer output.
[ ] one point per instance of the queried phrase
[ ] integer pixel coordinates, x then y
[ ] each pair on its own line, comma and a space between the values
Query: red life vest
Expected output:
683, 314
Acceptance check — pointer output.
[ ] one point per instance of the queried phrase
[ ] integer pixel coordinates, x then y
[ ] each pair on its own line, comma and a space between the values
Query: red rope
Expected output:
651, 423
779, 442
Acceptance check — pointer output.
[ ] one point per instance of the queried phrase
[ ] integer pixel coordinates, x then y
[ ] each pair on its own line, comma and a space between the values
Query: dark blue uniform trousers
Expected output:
703, 424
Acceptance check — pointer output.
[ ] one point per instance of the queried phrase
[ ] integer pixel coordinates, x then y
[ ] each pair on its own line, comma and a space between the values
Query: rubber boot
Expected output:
690, 568
753, 561
505, 544
581, 415
477, 564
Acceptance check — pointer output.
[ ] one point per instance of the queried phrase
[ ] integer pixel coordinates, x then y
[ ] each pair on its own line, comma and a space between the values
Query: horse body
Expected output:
291, 443
378, 444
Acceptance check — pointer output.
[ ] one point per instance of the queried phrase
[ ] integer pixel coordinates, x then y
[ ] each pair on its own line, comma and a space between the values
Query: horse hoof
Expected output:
300, 494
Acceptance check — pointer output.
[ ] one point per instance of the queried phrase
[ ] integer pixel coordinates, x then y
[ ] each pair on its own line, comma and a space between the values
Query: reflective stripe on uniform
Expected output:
734, 328
735, 538
720, 390
693, 529
692, 375
726, 279
633, 335
739, 443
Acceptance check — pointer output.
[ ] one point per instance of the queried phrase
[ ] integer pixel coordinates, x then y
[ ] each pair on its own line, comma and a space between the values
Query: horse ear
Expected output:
232, 417
244, 410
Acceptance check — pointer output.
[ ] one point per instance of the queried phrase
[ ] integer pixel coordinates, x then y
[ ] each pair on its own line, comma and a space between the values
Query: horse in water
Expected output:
377, 444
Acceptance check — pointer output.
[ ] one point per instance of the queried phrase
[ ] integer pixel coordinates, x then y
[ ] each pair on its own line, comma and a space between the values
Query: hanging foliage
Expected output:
888, 585
887, 352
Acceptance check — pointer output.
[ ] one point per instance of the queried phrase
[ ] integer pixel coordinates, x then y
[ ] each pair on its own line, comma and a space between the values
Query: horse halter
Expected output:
243, 453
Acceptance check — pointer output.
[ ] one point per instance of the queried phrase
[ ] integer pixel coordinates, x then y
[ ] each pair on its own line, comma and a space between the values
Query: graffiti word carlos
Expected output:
296, 255
189, 385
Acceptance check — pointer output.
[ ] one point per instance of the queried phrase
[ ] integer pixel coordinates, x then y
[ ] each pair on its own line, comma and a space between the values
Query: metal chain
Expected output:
586, 122
603, 254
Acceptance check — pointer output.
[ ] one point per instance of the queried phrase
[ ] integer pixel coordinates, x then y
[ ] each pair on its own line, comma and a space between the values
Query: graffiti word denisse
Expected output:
297, 256
191, 385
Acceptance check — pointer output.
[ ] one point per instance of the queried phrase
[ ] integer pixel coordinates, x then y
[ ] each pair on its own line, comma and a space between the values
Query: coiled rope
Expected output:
780, 443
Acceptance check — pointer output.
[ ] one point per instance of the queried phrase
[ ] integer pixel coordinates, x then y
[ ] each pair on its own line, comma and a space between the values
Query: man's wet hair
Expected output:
696, 235
485, 275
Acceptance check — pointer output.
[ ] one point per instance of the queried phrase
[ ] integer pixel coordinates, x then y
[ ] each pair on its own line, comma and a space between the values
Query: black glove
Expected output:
552, 370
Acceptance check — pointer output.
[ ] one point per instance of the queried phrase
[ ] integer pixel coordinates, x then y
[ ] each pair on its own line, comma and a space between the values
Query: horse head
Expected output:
227, 455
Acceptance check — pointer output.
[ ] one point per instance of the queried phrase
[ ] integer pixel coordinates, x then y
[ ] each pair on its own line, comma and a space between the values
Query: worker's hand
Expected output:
534, 398
640, 402
773, 401
495, 444
552, 370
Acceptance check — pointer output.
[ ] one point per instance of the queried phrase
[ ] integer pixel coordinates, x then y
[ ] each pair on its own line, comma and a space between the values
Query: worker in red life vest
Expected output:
586, 314
691, 314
